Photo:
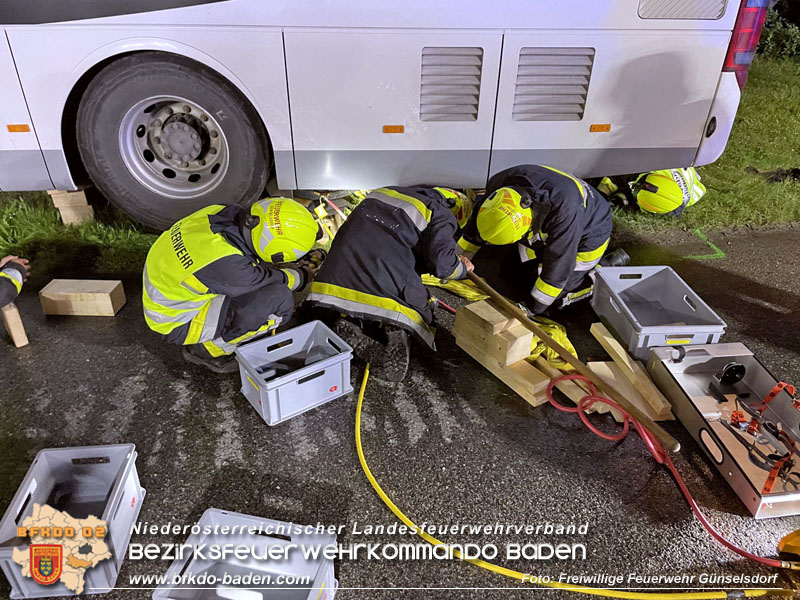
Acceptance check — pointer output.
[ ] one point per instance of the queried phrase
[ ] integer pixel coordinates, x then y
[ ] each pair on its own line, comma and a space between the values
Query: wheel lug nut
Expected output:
212, 150
157, 140
194, 136
201, 162
168, 155
187, 108
204, 118
184, 164
169, 110
185, 127
214, 134
157, 123
196, 146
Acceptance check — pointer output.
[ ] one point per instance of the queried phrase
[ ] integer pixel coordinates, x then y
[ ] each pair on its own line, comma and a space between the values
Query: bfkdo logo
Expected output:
47, 561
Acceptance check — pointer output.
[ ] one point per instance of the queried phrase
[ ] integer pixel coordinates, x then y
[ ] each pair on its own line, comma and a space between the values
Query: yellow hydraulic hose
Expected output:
606, 593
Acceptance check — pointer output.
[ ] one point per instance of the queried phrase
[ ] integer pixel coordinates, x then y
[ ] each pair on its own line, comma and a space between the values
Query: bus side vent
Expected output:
692, 9
552, 84
451, 83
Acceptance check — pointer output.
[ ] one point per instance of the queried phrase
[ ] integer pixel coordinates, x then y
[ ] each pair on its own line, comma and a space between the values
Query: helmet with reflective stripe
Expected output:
459, 203
504, 217
668, 191
285, 230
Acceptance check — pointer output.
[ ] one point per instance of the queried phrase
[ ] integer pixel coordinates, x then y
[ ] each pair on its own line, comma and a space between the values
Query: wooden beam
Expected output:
669, 442
82, 297
614, 374
13, 325
633, 371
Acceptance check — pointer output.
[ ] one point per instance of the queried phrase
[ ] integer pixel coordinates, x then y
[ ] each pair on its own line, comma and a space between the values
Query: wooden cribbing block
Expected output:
14, 326
485, 317
615, 376
522, 377
61, 199
633, 371
501, 345
72, 206
82, 297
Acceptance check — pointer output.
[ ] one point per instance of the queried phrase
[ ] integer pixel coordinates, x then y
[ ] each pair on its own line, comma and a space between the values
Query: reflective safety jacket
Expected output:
11, 277
373, 268
570, 231
194, 267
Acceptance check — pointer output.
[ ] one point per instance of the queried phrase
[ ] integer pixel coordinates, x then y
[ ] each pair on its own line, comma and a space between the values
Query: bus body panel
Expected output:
22, 166
356, 14
647, 99
354, 66
339, 139
52, 59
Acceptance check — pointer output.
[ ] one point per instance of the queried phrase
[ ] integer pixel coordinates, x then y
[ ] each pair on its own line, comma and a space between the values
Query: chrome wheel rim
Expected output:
173, 147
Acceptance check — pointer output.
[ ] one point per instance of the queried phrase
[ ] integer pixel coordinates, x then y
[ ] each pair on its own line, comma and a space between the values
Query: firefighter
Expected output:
668, 192
371, 275
13, 273
210, 283
556, 219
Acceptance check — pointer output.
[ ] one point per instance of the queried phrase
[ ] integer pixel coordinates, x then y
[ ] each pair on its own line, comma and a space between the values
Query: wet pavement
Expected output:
451, 445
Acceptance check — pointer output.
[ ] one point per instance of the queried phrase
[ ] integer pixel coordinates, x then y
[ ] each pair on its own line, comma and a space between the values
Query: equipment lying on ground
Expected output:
294, 371
652, 306
261, 535
82, 297
99, 481
13, 324
669, 442
745, 420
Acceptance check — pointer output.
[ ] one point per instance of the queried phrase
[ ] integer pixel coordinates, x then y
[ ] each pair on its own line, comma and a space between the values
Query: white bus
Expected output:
170, 105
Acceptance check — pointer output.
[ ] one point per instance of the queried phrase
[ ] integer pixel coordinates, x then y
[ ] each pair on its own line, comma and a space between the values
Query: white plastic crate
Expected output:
184, 574
645, 307
294, 371
99, 481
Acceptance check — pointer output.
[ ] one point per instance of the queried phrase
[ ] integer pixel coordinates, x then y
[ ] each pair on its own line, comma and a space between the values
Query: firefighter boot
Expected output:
198, 355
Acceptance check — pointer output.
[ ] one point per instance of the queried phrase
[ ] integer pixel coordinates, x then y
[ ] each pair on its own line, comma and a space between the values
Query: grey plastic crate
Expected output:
186, 572
646, 307
289, 373
99, 481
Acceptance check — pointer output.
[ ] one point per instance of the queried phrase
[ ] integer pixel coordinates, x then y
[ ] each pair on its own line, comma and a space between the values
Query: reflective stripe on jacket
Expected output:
194, 266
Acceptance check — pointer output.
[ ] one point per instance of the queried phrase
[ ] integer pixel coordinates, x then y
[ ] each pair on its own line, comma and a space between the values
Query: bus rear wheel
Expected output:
162, 136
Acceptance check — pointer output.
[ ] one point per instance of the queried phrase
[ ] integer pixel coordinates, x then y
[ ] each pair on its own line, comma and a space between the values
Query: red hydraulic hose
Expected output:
659, 454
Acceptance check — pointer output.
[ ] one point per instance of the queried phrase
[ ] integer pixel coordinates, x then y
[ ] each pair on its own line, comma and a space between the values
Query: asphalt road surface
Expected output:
450, 445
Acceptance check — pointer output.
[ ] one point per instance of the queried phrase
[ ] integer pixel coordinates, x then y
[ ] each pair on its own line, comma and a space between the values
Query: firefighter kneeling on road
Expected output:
371, 276
13, 272
557, 219
209, 283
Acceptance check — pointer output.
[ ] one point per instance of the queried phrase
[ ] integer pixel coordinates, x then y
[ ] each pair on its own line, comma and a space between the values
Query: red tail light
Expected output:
744, 40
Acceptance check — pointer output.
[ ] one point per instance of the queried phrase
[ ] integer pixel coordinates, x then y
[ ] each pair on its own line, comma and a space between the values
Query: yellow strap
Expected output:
464, 288
593, 255
548, 289
533, 579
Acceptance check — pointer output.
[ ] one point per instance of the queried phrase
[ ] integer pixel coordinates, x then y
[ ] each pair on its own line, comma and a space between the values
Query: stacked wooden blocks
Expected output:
501, 344
73, 207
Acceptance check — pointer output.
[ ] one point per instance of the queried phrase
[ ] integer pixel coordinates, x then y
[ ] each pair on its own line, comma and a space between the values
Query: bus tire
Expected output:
162, 136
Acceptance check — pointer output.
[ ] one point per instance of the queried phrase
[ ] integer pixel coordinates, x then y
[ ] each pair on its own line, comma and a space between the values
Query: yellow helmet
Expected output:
505, 217
285, 230
668, 191
460, 204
